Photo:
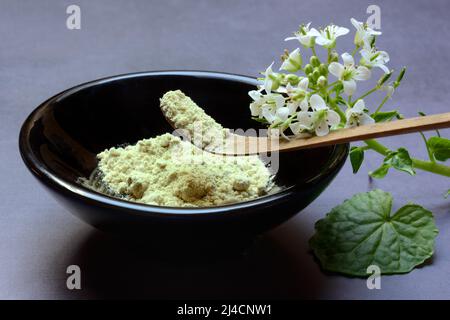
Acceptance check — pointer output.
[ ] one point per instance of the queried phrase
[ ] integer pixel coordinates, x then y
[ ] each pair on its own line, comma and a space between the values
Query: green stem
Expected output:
382, 104
430, 154
376, 146
314, 51
332, 84
433, 167
354, 51
367, 93
417, 163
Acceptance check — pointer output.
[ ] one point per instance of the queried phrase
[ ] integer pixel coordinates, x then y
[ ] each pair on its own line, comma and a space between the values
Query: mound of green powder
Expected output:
167, 171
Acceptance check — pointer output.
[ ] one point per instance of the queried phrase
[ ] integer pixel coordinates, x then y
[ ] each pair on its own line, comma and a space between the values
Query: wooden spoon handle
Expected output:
377, 130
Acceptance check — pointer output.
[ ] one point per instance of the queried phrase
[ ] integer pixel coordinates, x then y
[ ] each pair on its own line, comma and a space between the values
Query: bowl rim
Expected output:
41, 172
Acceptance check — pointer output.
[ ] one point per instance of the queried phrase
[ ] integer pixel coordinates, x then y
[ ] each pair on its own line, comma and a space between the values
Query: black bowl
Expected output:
60, 139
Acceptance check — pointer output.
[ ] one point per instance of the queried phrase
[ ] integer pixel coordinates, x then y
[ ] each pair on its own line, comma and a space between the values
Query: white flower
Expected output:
268, 78
261, 101
273, 115
357, 115
304, 36
271, 80
364, 35
293, 62
318, 120
327, 37
348, 73
298, 96
373, 58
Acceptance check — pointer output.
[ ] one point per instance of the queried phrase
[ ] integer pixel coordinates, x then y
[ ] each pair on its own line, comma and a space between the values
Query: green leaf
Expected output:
439, 147
260, 120
399, 160
356, 158
381, 172
361, 232
386, 116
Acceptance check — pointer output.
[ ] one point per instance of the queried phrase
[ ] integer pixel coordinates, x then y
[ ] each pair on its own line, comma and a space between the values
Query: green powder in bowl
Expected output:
167, 171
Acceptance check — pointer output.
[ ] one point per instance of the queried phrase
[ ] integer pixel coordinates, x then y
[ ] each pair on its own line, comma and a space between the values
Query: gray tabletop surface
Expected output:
39, 57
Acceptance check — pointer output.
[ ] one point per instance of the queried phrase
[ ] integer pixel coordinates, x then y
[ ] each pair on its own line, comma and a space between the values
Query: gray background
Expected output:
40, 57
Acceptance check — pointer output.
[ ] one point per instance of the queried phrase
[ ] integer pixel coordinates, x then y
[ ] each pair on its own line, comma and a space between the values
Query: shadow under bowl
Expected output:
60, 139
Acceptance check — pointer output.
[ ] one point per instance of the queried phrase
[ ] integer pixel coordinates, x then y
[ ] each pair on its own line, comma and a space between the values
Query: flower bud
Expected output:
384, 78
314, 61
292, 79
275, 84
322, 81
316, 74
334, 56
308, 69
339, 86
323, 69
299, 96
400, 77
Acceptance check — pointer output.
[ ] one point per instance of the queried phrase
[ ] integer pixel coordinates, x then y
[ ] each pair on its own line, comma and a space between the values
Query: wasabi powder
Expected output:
167, 171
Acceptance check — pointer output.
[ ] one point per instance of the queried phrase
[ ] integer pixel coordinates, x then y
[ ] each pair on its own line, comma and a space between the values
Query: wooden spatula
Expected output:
235, 144
243, 145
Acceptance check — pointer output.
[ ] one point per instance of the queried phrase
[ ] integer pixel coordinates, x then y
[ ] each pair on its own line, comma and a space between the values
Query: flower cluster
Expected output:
319, 96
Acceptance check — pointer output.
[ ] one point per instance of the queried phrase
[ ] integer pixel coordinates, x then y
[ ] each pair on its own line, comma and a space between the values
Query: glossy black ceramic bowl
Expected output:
60, 139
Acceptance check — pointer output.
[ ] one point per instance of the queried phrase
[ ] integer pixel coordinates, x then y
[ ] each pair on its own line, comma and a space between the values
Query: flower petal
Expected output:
317, 103
305, 119
336, 69
268, 85
356, 24
383, 67
362, 73
383, 57
365, 119
292, 106
341, 31
322, 41
279, 100
255, 94
304, 83
282, 113
291, 38
365, 53
269, 70
314, 32
268, 114
349, 87
304, 106
305, 40
255, 109
359, 106
348, 59
296, 128
373, 32
322, 129
333, 118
